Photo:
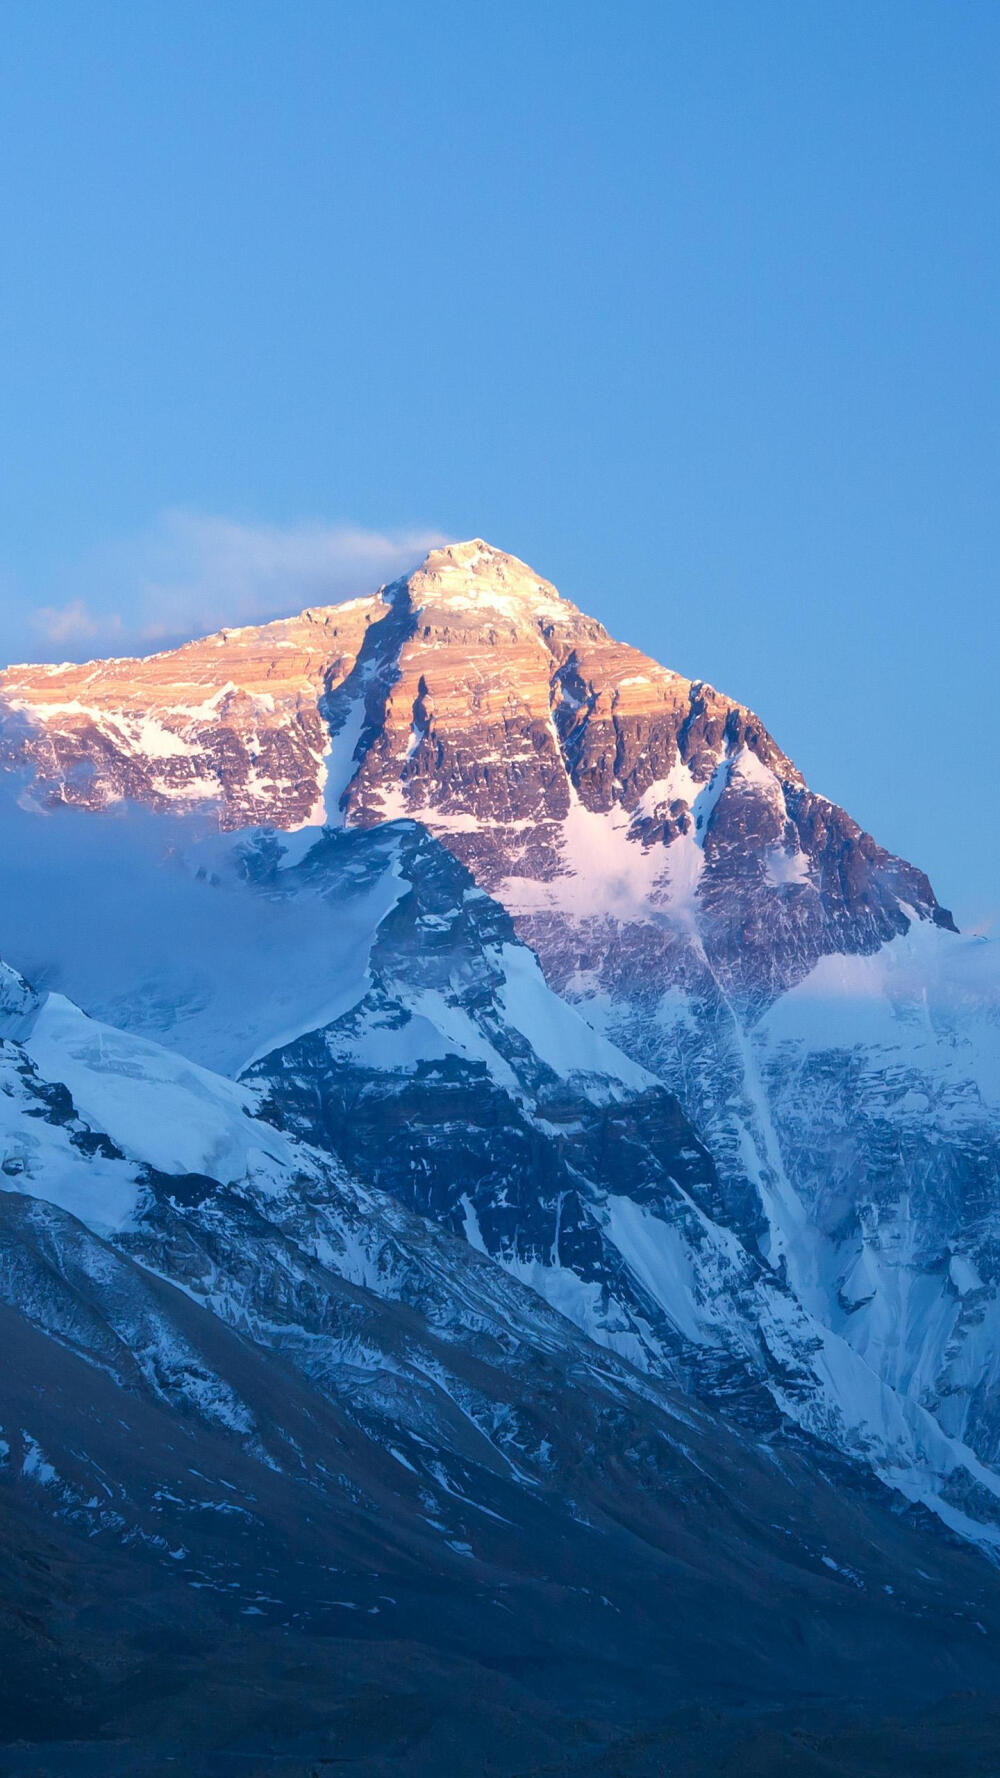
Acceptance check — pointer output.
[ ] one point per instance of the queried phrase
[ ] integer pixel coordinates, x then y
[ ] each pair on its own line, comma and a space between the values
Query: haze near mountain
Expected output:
507, 931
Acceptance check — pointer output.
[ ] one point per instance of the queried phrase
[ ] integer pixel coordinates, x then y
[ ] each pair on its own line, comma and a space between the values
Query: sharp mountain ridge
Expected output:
495, 1048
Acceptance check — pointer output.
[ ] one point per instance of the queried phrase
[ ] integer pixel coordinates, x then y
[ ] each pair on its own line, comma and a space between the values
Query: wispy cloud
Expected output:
192, 572
71, 624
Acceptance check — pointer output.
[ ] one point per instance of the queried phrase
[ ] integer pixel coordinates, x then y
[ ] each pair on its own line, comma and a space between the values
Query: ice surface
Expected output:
154, 1104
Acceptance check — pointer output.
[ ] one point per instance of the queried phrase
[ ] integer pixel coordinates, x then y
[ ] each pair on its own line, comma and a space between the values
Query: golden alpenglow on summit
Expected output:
499, 1171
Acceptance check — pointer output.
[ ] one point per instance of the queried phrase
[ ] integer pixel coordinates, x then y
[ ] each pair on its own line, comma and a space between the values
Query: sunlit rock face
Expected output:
231, 722
579, 778
824, 1160
573, 774
654, 845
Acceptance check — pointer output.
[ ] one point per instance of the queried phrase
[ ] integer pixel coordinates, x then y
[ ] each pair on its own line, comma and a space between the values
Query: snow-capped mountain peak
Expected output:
471, 691
474, 577
692, 1165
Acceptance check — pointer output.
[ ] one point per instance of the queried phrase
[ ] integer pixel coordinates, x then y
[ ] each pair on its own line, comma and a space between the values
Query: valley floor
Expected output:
374, 1735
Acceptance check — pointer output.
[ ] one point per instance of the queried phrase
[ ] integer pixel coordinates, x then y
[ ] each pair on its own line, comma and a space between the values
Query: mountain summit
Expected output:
516, 1063
473, 576
469, 691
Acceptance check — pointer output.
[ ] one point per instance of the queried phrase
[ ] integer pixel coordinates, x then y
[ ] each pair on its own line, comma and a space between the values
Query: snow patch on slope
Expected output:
604, 872
929, 999
38, 1159
154, 1104
559, 1036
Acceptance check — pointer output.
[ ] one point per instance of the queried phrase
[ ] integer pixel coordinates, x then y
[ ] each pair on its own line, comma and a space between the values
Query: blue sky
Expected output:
694, 306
